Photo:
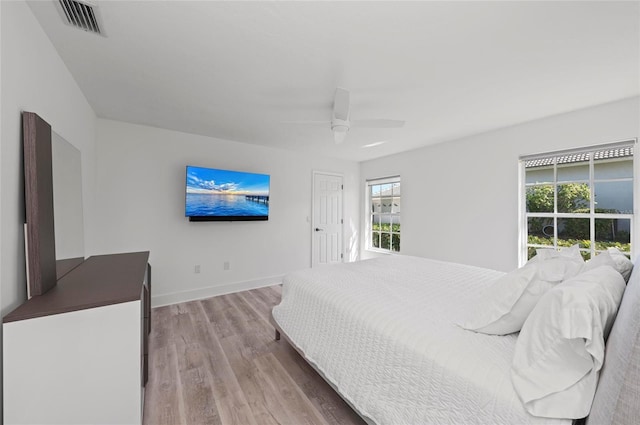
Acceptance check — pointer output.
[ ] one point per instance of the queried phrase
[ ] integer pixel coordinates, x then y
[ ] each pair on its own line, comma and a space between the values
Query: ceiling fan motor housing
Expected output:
341, 126
340, 129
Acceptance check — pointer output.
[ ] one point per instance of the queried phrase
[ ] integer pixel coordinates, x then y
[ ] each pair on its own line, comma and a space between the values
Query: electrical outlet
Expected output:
196, 268
226, 265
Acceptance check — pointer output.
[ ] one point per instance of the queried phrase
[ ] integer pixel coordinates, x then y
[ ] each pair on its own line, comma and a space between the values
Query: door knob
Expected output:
319, 229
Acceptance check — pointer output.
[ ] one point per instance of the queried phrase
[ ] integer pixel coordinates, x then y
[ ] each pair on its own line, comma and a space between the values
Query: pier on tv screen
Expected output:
222, 195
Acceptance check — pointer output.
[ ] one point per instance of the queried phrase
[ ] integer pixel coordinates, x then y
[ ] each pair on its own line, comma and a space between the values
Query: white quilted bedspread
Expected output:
382, 332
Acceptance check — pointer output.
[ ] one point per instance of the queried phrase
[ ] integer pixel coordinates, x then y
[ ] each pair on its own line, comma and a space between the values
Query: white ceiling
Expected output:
239, 70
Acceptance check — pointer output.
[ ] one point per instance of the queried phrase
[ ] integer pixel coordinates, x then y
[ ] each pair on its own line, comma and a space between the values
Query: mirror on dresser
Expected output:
68, 215
54, 228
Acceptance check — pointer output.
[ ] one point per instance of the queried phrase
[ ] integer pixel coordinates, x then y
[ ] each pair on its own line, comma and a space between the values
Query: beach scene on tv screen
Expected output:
221, 193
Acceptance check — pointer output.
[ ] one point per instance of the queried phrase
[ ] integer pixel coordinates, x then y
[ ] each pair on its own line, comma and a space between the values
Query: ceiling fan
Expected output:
341, 118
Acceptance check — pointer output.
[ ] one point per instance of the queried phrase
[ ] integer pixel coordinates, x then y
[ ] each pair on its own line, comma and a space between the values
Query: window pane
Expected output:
613, 233
540, 198
385, 241
375, 222
387, 203
573, 231
395, 227
396, 189
539, 175
386, 190
610, 167
540, 230
375, 189
531, 252
395, 207
614, 197
574, 198
395, 242
376, 205
375, 239
385, 222
573, 171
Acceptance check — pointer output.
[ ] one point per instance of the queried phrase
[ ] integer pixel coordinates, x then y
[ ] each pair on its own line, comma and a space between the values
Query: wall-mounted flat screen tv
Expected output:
223, 195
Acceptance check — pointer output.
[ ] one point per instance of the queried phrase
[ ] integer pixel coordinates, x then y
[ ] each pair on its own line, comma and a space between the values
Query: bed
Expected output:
383, 333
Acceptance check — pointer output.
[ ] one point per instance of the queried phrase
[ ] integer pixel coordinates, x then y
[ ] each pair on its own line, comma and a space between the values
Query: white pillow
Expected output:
602, 259
505, 305
624, 265
560, 349
572, 252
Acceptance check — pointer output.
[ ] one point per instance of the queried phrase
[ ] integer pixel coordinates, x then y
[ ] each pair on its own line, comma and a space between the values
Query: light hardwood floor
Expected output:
215, 361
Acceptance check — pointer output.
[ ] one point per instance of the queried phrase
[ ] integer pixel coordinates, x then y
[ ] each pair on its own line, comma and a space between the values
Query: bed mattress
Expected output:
382, 332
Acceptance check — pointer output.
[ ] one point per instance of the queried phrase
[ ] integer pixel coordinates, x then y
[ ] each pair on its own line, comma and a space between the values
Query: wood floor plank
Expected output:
197, 393
238, 321
163, 403
270, 295
246, 311
260, 306
194, 369
180, 325
294, 400
222, 315
221, 374
233, 411
229, 399
319, 392
215, 361
242, 351
265, 406
161, 334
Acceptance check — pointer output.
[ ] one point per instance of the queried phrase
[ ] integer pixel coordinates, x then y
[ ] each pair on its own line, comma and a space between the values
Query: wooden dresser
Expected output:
78, 354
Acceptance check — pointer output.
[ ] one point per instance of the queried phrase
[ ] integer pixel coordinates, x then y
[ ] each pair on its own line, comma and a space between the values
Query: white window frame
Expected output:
592, 215
369, 214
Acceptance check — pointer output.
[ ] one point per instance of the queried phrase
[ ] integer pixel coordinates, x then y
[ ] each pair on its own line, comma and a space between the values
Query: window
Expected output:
383, 220
582, 197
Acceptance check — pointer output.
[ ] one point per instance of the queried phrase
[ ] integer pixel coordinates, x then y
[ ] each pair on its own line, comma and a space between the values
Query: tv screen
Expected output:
222, 195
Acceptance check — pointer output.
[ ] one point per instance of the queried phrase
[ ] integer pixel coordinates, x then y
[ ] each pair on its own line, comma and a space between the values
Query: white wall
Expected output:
1, 257
140, 191
460, 198
34, 79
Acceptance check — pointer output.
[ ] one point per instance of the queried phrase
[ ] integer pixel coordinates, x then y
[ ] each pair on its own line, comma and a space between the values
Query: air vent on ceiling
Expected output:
81, 14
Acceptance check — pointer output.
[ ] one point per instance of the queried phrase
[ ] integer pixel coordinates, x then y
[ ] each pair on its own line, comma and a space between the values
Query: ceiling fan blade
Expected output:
308, 122
378, 123
341, 104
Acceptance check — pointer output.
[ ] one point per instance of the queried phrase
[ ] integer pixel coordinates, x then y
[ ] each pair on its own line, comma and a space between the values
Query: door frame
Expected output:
314, 173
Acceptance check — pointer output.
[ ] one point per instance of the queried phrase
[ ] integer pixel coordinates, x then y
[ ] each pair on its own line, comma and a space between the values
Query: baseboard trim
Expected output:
212, 291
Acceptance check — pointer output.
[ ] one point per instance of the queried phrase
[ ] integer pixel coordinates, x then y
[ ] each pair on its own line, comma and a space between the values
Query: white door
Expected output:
327, 219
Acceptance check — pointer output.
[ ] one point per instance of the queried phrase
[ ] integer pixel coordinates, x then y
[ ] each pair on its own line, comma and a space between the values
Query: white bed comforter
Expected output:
382, 332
